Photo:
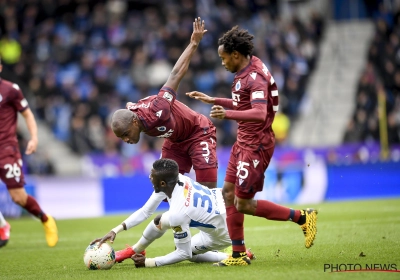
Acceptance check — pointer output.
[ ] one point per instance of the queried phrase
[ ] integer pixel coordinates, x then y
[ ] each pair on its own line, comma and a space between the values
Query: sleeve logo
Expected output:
258, 95
177, 229
180, 235
168, 96
24, 103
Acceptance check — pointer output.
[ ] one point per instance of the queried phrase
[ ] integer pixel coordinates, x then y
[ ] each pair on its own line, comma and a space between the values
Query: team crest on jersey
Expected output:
161, 128
168, 96
238, 85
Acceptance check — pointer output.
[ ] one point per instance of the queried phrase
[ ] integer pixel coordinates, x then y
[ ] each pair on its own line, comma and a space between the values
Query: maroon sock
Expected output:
33, 207
234, 220
272, 211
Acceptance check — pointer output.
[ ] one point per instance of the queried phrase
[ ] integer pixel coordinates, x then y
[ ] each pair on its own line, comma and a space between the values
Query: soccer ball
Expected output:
96, 257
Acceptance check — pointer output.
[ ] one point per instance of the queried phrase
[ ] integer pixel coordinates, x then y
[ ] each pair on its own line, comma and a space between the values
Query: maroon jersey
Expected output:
251, 85
11, 102
165, 117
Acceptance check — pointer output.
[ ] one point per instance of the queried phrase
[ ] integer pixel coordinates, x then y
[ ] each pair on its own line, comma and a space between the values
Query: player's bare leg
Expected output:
20, 197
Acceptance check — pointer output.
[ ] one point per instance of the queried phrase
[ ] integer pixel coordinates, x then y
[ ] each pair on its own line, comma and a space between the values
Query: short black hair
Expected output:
239, 40
167, 170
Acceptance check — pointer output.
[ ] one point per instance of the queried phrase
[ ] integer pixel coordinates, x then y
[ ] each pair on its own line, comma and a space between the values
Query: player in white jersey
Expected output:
191, 205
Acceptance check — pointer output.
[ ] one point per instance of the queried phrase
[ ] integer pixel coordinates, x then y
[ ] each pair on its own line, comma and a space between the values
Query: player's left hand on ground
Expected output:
109, 236
139, 260
31, 147
217, 112
198, 31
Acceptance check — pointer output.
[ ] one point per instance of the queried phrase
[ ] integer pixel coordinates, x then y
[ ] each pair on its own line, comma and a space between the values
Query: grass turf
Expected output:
345, 230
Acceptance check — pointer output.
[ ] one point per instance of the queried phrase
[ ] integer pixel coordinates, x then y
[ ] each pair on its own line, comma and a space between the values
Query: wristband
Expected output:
149, 262
118, 229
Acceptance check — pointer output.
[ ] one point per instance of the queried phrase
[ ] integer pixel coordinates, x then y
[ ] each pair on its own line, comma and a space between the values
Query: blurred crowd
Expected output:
380, 80
83, 59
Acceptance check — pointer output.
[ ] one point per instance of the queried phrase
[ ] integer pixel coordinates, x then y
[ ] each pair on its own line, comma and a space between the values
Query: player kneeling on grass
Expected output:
190, 205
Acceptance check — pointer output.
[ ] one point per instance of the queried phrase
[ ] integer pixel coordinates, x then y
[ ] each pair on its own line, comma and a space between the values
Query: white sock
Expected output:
2, 220
210, 256
150, 234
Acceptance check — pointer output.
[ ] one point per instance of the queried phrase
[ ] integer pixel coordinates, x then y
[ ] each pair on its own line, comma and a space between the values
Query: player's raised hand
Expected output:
139, 260
198, 31
217, 112
109, 236
31, 147
201, 96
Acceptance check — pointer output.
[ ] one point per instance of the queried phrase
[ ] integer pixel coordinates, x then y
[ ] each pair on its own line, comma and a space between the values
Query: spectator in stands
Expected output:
103, 53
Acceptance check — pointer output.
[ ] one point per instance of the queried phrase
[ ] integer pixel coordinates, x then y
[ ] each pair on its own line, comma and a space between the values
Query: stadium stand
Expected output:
84, 59
381, 76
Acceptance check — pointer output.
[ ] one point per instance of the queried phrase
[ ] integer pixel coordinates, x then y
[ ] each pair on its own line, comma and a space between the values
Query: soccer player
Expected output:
11, 102
190, 138
4, 231
253, 105
190, 205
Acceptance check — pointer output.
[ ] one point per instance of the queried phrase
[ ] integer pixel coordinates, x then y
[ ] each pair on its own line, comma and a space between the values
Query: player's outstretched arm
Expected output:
32, 127
201, 96
182, 65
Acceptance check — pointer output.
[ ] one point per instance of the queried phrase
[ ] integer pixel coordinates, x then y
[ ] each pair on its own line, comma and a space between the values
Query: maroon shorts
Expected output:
11, 167
199, 151
246, 170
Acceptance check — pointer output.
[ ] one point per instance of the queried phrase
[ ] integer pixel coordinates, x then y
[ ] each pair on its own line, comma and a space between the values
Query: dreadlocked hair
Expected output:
167, 168
239, 40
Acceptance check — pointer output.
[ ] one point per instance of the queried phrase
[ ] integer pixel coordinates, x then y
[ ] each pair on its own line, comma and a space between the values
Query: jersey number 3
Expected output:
203, 197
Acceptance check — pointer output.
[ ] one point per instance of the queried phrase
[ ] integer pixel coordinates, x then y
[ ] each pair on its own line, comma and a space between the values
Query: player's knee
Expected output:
157, 220
229, 195
17, 199
243, 206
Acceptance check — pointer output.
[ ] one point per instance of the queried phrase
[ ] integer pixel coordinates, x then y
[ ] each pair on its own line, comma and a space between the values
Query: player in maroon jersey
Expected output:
190, 138
12, 101
253, 105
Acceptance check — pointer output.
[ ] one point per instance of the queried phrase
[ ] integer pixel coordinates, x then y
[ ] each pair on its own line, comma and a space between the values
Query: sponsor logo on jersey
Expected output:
167, 134
257, 94
180, 235
240, 181
177, 228
143, 105
168, 96
207, 159
161, 128
158, 114
253, 75
24, 103
187, 192
255, 162
238, 85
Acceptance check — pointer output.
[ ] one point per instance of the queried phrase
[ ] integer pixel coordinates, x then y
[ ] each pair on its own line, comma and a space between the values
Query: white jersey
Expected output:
191, 205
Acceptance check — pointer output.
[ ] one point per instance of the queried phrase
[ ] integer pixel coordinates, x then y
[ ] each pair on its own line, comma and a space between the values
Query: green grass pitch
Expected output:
345, 230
